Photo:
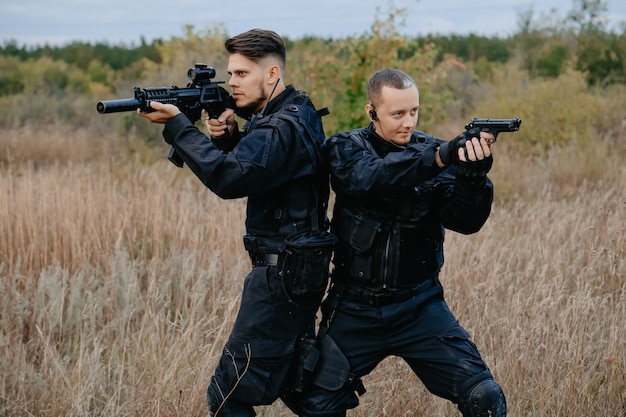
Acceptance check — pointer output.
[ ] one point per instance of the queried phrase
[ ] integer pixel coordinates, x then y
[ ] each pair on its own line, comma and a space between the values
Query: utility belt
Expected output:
264, 259
385, 297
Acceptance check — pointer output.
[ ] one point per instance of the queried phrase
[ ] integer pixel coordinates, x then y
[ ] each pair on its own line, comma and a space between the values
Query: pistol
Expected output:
494, 126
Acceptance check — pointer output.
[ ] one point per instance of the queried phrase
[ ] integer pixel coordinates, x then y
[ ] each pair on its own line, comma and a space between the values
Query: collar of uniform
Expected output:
381, 145
277, 102
274, 105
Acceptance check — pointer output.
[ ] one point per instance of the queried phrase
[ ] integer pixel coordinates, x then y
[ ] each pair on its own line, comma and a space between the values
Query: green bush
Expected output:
554, 111
11, 78
565, 84
335, 73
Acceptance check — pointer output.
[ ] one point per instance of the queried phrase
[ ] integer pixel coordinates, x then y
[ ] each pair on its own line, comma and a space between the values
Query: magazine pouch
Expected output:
304, 264
360, 232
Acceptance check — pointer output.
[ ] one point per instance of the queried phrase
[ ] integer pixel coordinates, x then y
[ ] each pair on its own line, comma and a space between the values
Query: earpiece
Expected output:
375, 118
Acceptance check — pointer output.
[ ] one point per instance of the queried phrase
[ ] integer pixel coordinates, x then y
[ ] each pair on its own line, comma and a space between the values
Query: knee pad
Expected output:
484, 399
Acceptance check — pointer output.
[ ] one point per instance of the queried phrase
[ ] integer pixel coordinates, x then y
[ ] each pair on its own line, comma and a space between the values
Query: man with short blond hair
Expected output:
397, 189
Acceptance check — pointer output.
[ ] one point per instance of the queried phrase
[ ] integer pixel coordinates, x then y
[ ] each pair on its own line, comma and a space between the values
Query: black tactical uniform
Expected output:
392, 205
276, 163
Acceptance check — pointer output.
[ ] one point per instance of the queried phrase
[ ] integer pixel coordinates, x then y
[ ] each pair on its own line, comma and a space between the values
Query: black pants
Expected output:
257, 357
421, 330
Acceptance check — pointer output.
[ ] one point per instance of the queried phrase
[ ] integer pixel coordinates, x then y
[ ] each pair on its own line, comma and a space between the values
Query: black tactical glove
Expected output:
474, 169
449, 151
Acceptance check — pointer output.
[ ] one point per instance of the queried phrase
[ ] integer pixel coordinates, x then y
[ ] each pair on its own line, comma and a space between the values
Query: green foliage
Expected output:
554, 112
100, 73
603, 57
545, 46
11, 79
82, 54
550, 62
335, 73
458, 76
180, 53
470, 48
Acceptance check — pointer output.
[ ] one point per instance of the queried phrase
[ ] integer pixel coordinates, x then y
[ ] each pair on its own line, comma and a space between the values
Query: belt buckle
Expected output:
271, 259
261, 259
381, 298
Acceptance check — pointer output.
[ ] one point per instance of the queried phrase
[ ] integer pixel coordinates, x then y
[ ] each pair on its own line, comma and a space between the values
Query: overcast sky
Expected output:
56, 22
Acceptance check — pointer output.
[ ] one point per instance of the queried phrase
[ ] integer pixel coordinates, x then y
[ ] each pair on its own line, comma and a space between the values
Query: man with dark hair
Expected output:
396, 190
275, 161
255, 47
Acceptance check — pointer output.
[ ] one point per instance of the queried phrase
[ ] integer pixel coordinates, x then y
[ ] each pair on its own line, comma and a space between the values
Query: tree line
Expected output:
580, 39
61, 84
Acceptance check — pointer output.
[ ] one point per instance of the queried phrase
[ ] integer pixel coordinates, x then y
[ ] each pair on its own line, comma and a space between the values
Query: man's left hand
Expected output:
161, 112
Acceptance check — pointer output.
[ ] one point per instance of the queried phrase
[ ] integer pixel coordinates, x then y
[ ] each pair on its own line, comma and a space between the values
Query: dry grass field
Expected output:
120, 278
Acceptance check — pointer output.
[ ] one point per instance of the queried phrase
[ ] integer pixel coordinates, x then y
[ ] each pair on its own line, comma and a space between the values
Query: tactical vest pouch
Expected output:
360, 233
304, 264
358, 230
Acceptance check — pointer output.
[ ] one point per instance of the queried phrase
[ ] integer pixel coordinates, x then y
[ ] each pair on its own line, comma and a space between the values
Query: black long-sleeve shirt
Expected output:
276, 163
392, 205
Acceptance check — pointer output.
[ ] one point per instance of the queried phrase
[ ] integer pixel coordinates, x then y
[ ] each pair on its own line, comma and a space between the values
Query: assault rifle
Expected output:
201, 93
495, 126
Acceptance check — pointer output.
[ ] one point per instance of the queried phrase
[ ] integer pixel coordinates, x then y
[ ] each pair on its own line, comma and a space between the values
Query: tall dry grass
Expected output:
121, 277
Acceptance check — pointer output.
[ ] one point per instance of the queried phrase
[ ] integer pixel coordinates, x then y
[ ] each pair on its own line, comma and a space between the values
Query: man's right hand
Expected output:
223, 126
